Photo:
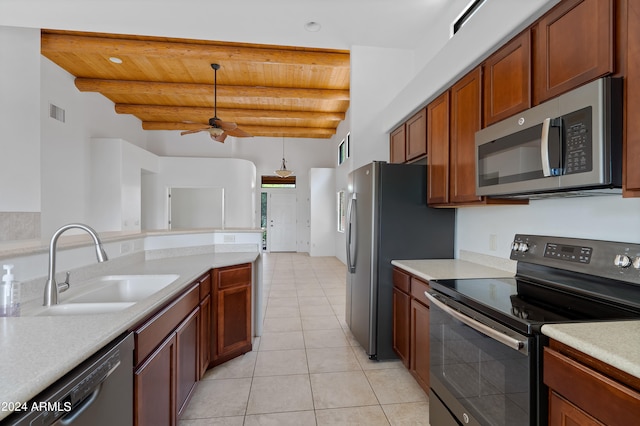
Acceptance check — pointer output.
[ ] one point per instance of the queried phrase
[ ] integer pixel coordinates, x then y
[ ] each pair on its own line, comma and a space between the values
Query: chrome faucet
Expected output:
53, 289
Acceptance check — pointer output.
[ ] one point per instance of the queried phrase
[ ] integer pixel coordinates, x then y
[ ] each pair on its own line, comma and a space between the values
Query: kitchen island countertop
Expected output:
36, 351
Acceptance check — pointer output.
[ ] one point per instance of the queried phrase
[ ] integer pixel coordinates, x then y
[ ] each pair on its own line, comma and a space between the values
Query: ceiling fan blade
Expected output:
220, 138
188, 132
239, 133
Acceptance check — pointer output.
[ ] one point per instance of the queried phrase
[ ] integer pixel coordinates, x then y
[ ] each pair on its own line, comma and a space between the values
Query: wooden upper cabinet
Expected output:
631, 170
438, 150
573, 44
397, 142
466, 117
507, 80
416, 128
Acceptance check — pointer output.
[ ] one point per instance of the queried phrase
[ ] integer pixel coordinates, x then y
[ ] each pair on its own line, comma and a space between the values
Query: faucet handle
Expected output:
65, 285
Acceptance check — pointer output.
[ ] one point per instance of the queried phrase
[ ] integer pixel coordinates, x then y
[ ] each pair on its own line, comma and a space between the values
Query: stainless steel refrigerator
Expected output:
387, 219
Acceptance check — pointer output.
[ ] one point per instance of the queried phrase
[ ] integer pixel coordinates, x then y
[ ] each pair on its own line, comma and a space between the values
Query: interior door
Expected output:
282, 220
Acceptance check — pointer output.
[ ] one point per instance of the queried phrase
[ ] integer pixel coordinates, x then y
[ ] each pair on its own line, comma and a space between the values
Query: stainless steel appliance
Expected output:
485, 338
388, 219
572, 143
99, 392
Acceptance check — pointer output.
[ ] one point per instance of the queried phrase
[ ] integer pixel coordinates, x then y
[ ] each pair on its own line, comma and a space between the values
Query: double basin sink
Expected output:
109, 293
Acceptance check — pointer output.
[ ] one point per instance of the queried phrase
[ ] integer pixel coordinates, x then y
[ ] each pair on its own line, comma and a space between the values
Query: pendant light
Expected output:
282, 171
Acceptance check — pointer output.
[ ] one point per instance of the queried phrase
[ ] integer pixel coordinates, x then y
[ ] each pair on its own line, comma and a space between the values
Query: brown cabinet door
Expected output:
632, 99
401, 324
573, 45
564, 413
155, 387
397, 143
438, 150
231, 312
420, 344
417, 135
507, 80
188, 368
466, 104
205, 334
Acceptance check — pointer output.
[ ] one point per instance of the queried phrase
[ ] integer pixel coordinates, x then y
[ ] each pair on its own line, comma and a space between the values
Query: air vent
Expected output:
56, 113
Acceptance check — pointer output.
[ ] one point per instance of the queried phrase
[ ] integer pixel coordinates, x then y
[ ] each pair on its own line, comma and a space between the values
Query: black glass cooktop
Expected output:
526, 306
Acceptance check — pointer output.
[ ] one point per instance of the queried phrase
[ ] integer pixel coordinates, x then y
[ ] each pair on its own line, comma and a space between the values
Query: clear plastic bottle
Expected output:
9, 294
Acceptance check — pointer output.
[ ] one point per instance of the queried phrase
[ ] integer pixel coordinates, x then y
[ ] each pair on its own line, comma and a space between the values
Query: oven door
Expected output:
482, 372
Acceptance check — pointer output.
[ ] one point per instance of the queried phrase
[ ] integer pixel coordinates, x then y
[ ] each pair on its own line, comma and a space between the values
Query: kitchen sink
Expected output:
122, 288
82, 309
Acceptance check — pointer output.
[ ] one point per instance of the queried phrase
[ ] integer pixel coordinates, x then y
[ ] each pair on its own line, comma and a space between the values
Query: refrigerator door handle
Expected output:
351, 237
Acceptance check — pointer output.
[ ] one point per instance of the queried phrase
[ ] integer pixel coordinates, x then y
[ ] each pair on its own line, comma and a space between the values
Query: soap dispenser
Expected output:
9, 294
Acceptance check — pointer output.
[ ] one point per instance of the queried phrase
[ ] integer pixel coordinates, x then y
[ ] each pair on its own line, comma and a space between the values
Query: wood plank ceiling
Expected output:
272, 91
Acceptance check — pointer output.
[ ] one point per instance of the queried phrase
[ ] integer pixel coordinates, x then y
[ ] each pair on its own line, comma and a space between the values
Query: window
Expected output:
342, 211
278, 182
344, 150
466, 14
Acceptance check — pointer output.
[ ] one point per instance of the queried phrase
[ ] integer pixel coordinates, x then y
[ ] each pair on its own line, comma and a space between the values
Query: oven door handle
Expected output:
512, 343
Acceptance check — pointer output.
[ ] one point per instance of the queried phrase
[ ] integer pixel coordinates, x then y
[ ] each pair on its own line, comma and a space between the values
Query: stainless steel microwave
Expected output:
569, 145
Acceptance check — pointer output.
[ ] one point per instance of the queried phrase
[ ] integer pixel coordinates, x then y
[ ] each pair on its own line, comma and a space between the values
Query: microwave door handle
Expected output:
544, 147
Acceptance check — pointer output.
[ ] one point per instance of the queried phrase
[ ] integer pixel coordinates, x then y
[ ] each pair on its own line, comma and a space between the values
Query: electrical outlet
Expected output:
125, 247
229, 238
493, 242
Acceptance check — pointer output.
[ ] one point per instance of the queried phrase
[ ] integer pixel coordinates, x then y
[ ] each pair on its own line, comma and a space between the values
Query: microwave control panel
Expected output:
578, 156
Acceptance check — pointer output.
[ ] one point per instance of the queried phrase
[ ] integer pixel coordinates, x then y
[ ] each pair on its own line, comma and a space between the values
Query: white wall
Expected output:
20, 119
323, 212
237, 177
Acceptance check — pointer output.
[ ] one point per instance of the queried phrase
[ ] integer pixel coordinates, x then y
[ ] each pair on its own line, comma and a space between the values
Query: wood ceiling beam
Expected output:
193, 113
269, 131
77, 44
193, 89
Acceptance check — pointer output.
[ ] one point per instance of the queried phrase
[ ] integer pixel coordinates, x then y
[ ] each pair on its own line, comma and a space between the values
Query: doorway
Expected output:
281, 222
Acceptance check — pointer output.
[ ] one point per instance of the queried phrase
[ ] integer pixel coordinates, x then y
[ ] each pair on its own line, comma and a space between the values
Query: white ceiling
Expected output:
402, 24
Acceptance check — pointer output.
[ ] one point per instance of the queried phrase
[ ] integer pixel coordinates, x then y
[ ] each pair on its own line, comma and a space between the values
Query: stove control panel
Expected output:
617, 260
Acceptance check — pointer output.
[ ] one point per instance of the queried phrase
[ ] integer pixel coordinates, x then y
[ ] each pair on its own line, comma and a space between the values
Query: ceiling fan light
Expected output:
215, 131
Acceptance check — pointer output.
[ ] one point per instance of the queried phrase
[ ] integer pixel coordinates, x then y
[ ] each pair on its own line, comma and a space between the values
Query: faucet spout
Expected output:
51, 289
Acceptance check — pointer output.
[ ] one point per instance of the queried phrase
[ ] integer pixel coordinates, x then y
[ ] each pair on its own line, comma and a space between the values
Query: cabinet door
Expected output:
466, 104
632, 99
507, 80
155, 385
438, 150
573, 45
563, 413
231, 312
417, 135
188, 368
401, 324
205, 335
397, 142
420, 343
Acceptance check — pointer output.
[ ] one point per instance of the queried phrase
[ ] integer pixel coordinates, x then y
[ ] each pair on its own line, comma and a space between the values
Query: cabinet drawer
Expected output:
151, 333
231, 276
602, 397
401, 280
418, 288
205, 286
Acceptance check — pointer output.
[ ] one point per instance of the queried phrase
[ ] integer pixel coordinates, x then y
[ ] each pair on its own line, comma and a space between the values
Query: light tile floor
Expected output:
306, 369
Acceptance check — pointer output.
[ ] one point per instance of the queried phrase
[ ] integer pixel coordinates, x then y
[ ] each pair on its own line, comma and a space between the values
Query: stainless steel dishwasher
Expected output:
97, 392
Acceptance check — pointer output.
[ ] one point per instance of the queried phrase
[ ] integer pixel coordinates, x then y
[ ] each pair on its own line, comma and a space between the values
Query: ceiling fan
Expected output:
218, 129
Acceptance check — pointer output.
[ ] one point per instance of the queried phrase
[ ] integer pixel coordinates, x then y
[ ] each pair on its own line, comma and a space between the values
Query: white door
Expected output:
281, 224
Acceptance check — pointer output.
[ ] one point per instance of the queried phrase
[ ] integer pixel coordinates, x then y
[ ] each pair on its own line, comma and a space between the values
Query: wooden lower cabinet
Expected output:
231, 316
420, 343
586, 391
187, 365
154, 386
401, 318
205, 323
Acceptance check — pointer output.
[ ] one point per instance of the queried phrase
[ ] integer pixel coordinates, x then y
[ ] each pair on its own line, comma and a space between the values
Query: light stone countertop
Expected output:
434, 269
616, 343
36, 351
